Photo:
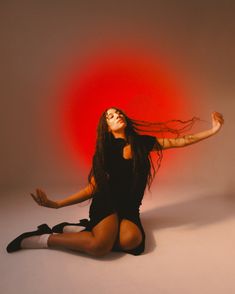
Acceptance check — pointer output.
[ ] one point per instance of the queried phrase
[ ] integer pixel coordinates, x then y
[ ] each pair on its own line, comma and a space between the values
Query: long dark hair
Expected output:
134, 128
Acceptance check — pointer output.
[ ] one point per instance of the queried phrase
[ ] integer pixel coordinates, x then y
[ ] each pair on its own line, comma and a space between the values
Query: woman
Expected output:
120, 172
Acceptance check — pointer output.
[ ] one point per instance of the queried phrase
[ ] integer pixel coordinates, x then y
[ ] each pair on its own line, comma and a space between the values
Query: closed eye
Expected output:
110, 116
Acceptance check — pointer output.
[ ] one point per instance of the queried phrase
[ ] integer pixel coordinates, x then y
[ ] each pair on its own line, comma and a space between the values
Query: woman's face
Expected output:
116, 120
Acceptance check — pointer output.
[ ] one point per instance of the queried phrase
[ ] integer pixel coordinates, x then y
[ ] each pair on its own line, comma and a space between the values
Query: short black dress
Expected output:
121, 198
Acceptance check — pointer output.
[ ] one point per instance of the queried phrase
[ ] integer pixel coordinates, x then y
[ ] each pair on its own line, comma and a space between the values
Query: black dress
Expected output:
121, 198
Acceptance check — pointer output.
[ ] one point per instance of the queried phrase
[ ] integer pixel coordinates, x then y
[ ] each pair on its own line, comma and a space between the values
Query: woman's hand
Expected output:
217, 121
42, 200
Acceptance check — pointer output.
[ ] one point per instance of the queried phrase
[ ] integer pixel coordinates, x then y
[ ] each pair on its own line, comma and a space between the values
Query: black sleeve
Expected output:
148, 142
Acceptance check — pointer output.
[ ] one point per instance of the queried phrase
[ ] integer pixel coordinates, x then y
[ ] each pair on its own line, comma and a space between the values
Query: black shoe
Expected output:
15, 244
59, 228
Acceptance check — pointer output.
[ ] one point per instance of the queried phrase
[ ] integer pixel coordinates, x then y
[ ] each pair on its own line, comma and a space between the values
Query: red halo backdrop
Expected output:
140, 84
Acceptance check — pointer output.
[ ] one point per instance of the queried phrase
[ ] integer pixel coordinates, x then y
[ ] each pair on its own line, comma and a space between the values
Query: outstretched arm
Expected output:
217, 122
83, 195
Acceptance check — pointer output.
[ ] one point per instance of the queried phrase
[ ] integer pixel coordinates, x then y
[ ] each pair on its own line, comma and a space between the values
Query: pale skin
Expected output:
101, 239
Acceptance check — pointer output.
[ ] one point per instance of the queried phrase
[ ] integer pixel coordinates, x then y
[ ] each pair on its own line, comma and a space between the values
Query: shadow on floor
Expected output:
192, 213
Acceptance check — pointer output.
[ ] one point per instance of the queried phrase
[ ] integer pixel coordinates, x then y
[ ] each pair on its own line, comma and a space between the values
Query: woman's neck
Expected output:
119, 135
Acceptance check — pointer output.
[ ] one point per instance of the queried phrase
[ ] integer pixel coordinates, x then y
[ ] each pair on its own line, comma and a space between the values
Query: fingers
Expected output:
40, 197
218, 117
36, 199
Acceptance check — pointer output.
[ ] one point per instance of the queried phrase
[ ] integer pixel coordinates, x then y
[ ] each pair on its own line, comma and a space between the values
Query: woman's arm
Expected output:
83, 195
78, 197
217, 122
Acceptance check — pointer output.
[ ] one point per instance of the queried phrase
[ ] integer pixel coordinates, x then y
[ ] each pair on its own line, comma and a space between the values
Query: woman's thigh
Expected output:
130, 235
106, 231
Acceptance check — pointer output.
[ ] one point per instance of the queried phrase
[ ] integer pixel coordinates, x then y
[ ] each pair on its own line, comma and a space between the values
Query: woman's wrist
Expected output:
58, 204
215, 130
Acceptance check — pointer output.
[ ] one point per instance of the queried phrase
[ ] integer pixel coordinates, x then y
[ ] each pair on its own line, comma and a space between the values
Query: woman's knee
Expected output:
130, 240
99, 248
105, 234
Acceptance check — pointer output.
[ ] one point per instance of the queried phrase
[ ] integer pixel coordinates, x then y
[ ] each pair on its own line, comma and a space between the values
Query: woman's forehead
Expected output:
111, 111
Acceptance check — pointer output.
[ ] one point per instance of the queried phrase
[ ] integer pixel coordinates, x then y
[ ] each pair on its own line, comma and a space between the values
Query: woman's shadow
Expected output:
193, 213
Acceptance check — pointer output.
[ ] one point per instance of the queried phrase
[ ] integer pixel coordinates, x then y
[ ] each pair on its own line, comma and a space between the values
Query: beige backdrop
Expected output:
198, 37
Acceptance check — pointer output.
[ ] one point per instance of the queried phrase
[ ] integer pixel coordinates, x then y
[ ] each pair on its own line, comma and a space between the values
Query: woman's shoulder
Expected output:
147, 141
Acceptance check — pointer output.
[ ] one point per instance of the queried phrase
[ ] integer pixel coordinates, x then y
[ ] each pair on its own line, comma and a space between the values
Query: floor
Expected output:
190, 248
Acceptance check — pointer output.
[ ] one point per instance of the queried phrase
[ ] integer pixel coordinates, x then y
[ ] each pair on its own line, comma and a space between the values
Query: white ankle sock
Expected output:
72, 229
35, 242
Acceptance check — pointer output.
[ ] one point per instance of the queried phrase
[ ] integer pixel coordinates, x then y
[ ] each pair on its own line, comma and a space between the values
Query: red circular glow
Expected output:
138, 84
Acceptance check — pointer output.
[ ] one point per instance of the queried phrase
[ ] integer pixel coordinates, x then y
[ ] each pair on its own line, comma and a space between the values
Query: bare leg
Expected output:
130, 235
97, 243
